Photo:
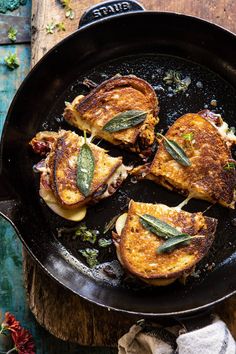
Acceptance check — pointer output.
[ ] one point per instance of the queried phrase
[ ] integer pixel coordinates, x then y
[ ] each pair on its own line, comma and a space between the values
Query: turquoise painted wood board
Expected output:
12, 294
11, 5
10, 80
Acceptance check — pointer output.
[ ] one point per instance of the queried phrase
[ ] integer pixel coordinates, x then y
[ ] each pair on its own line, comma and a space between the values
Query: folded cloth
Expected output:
212, 339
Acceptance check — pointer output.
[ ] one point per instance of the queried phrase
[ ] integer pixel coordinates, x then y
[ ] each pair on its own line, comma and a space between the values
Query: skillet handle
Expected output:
109, 9
9, 205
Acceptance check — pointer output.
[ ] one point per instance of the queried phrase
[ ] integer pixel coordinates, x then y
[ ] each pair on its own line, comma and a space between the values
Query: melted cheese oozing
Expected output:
183, 203
92, 136
69, 214
159, 282
225, 131
83, 125
120, 173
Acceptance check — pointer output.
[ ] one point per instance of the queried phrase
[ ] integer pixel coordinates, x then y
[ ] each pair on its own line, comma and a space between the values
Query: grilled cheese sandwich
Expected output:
114, 96
211, 175
137, 246
58, 186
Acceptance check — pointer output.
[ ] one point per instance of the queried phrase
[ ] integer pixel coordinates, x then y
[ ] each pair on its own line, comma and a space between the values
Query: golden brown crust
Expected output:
208, 152
138, 246
59, 169
63, 164
112, 97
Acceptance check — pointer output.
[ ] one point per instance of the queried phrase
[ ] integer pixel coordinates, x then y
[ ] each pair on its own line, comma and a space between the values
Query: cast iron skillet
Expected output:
146, 44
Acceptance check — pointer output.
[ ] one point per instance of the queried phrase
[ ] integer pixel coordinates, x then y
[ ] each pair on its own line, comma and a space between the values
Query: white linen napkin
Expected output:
212, 339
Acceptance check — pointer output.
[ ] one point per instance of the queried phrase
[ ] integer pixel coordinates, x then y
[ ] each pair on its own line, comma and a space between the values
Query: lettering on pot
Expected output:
111, 9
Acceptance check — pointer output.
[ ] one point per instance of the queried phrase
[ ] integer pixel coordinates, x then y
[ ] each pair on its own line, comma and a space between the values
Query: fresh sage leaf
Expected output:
173, 242
158, 227
85, 169
175, 151
125, 120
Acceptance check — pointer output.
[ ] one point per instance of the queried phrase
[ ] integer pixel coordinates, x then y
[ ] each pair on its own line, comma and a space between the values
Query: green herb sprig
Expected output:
60, 26
12, 32
69, 12
125, 120
85, 234
188, 136
79, 231
173, 77
52, 26
175, 150
85, 168
12, 61
229, 166
103, 242
90, 254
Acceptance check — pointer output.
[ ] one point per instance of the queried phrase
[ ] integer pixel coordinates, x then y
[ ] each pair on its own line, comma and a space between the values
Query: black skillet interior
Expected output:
146, 45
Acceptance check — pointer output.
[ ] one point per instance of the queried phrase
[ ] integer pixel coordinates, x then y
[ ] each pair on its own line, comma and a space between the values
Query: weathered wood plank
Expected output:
221, 12
20, 23
94, 323
218, 11
68, 316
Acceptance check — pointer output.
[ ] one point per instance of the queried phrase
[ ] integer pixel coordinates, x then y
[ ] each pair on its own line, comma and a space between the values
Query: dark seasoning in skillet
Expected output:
204, 87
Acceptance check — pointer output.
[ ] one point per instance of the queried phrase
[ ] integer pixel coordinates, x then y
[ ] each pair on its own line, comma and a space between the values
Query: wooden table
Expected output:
95, 326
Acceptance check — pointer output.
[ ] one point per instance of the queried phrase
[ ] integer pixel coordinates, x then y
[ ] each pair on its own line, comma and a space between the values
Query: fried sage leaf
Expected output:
125, 120
175, 151
158, 227
85, 169
173, 242
173, 237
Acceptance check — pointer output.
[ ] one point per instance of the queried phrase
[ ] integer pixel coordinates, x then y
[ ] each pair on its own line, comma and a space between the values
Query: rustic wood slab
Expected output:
62, 313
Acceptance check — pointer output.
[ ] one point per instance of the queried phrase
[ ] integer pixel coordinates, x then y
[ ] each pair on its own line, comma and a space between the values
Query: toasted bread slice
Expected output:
116, 95
208, 177
63, 163
137, 247
59, 170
